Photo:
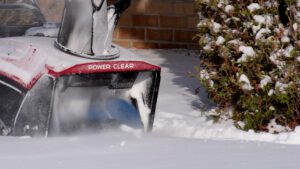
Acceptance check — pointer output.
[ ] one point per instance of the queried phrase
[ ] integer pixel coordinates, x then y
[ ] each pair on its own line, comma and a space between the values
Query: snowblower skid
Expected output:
63, 94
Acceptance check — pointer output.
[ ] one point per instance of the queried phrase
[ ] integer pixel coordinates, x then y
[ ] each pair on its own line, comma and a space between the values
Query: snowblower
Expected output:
77, 81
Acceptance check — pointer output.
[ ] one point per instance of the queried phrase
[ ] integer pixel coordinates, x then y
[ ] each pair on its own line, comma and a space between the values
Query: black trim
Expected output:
122, 5
14, 83
155, 90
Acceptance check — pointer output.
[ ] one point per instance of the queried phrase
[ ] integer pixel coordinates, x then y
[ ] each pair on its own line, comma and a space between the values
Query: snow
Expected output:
182, 136
229, 8
273, 127
263, 19
234, 42
253, 7
248, 53
287, 51
271, 92
207, 47
204, 75
261, 33
295, 26
265, 81
259, 19
275, 58
220, 41
285, 39
256, 28
216, 27
247, 50
17, 58
245, 82
124, 152
42, 31
137, 92
281, 87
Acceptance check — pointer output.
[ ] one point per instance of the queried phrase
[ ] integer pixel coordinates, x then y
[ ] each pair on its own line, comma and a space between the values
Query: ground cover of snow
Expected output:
182, 137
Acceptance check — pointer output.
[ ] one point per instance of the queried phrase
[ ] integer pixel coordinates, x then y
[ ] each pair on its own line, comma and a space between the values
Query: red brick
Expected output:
145, 20
145, 45
126, 44
173, 22
160, 7
184, 8
138, 6
159, 35
184, 36
125, 20
131, 33
192, 22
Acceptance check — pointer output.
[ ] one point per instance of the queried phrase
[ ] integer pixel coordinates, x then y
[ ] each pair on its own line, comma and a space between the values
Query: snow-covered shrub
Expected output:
251, 60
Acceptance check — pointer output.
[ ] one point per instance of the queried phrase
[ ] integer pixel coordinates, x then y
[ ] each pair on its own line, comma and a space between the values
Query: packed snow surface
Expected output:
182, 136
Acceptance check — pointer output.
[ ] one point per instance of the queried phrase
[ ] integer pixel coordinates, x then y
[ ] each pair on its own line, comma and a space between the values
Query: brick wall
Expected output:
158, 24
147, 23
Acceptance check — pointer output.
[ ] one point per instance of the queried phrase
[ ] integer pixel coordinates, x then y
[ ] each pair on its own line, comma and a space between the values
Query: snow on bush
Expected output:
251, 55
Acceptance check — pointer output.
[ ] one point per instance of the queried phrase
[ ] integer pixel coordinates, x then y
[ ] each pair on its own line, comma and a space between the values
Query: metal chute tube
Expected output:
87, 28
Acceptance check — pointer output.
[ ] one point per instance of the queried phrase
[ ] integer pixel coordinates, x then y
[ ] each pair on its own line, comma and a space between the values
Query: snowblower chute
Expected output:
84, 82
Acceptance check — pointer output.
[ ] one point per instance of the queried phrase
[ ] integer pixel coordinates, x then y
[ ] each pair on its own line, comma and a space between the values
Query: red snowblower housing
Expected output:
48, 89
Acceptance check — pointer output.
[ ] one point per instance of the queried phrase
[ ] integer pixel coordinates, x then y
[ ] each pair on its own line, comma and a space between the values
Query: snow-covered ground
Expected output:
182, 136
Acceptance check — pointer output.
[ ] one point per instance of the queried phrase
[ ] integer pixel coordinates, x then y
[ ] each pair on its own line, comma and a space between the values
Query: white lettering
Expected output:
99, 67
114, 66
123, 66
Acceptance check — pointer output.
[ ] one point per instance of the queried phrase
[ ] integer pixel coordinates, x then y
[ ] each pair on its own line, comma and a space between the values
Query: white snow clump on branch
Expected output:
216, 27
261, 33
229, 8
287, 52
281, 87
265, 81
220, 41
263, 19
245, 83
248, 52
253, 7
